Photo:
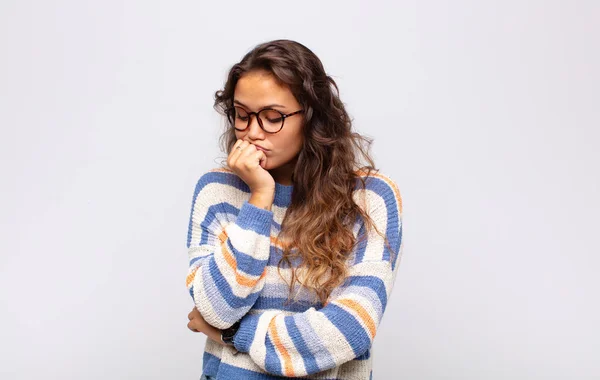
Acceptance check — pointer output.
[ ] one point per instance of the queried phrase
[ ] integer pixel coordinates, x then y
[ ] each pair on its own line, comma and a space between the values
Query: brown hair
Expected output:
322, 212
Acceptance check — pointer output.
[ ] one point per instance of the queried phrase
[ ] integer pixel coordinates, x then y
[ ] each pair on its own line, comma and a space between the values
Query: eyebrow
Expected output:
267, 106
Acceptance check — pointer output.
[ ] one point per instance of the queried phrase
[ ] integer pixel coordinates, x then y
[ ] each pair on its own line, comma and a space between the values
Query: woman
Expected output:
293, 245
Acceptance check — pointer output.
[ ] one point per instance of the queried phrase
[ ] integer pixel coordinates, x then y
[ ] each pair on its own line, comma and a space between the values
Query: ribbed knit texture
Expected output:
233, 255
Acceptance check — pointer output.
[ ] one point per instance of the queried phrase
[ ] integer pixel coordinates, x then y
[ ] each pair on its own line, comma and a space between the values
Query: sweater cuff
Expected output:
245, 334
251, 217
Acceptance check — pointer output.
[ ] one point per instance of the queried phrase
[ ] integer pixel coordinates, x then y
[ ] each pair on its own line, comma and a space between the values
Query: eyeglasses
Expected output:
270, 120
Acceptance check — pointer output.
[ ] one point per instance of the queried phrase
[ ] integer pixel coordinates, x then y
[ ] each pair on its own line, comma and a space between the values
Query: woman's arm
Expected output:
316, 340
228, 254
198, 324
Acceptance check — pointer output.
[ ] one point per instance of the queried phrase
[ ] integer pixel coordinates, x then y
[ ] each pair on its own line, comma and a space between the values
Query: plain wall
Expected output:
486, 114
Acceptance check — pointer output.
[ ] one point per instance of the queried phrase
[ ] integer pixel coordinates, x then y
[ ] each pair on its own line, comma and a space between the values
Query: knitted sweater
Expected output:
234, 250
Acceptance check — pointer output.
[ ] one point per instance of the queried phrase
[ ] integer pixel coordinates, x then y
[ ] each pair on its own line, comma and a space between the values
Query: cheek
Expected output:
290, 145
296, 147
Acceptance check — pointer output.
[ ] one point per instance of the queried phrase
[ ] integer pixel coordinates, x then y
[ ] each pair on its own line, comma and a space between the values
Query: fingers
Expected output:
245, 152
192, 322
238, 144
261, 157
235, 152
195, 313
190, 326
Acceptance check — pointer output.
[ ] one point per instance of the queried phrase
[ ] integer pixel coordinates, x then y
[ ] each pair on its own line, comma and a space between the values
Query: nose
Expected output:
254, 130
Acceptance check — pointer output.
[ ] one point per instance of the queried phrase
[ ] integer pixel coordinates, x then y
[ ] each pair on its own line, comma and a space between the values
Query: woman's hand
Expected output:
248, 163
198, 324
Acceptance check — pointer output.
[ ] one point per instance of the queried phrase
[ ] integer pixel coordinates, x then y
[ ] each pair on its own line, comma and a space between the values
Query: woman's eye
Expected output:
272, 116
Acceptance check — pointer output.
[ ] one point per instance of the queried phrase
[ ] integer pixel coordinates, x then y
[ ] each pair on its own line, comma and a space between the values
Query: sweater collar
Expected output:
283, 195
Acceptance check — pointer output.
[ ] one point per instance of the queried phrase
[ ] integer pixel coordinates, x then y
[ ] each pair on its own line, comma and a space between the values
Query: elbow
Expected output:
220, 320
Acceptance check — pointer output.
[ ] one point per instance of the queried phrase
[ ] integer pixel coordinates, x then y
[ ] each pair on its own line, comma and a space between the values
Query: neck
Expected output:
283, 174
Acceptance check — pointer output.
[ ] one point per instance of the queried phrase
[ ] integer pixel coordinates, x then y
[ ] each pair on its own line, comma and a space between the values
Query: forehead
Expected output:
256, 89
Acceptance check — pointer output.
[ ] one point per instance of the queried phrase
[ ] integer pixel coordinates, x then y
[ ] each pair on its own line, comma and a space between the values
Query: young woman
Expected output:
293, 245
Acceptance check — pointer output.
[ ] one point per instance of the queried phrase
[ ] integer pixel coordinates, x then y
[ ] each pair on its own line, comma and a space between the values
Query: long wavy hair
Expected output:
317, 226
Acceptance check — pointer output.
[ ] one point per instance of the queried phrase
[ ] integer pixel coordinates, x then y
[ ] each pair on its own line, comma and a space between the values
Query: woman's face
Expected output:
256, 90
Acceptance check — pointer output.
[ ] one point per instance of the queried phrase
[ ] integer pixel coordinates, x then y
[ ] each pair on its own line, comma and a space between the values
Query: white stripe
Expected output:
203, 304
334, 340
258, 349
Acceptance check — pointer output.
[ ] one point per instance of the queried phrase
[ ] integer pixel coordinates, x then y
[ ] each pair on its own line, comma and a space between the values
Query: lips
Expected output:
260, 148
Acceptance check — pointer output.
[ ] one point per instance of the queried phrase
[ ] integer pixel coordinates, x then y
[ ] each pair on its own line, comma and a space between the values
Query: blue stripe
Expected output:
189, 232
272, 363
310, 363
316, 342
397, 249
228, 371
244, 337
203, 258
247, 263
393, 229
276, 254
252, 220
365, 356
227, 211
351, 328
280, 303
372, 282
361, 245
210, 364
220, 282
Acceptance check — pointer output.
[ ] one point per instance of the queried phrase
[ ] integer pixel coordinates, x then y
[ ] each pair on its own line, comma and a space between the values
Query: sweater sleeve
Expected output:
228, 254
316, 340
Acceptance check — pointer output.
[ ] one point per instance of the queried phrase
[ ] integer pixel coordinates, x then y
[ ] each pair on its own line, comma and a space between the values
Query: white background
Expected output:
486, 114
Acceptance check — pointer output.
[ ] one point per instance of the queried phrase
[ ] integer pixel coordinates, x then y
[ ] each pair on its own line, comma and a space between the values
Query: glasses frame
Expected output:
283, 117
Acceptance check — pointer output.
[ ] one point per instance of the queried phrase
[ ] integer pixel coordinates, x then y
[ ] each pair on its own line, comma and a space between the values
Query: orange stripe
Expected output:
279, 243
287, 360
190, 277
231, 261
239, 278
362, 313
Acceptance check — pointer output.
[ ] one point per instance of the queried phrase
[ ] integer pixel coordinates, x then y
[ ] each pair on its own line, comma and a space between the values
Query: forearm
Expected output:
317, 340
213, 333
226, 276
262, 200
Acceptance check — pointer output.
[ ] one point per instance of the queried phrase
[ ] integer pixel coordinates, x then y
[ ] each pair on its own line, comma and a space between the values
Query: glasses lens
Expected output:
240, 118
272, 120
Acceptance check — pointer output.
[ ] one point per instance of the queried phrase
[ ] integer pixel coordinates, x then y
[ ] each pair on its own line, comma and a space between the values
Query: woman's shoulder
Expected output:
220, 179
378, 186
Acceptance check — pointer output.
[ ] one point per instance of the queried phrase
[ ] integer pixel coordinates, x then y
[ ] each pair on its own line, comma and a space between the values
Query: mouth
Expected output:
261, 148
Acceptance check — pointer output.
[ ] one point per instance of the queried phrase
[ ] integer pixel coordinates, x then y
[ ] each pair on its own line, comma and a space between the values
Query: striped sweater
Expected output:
233, 255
